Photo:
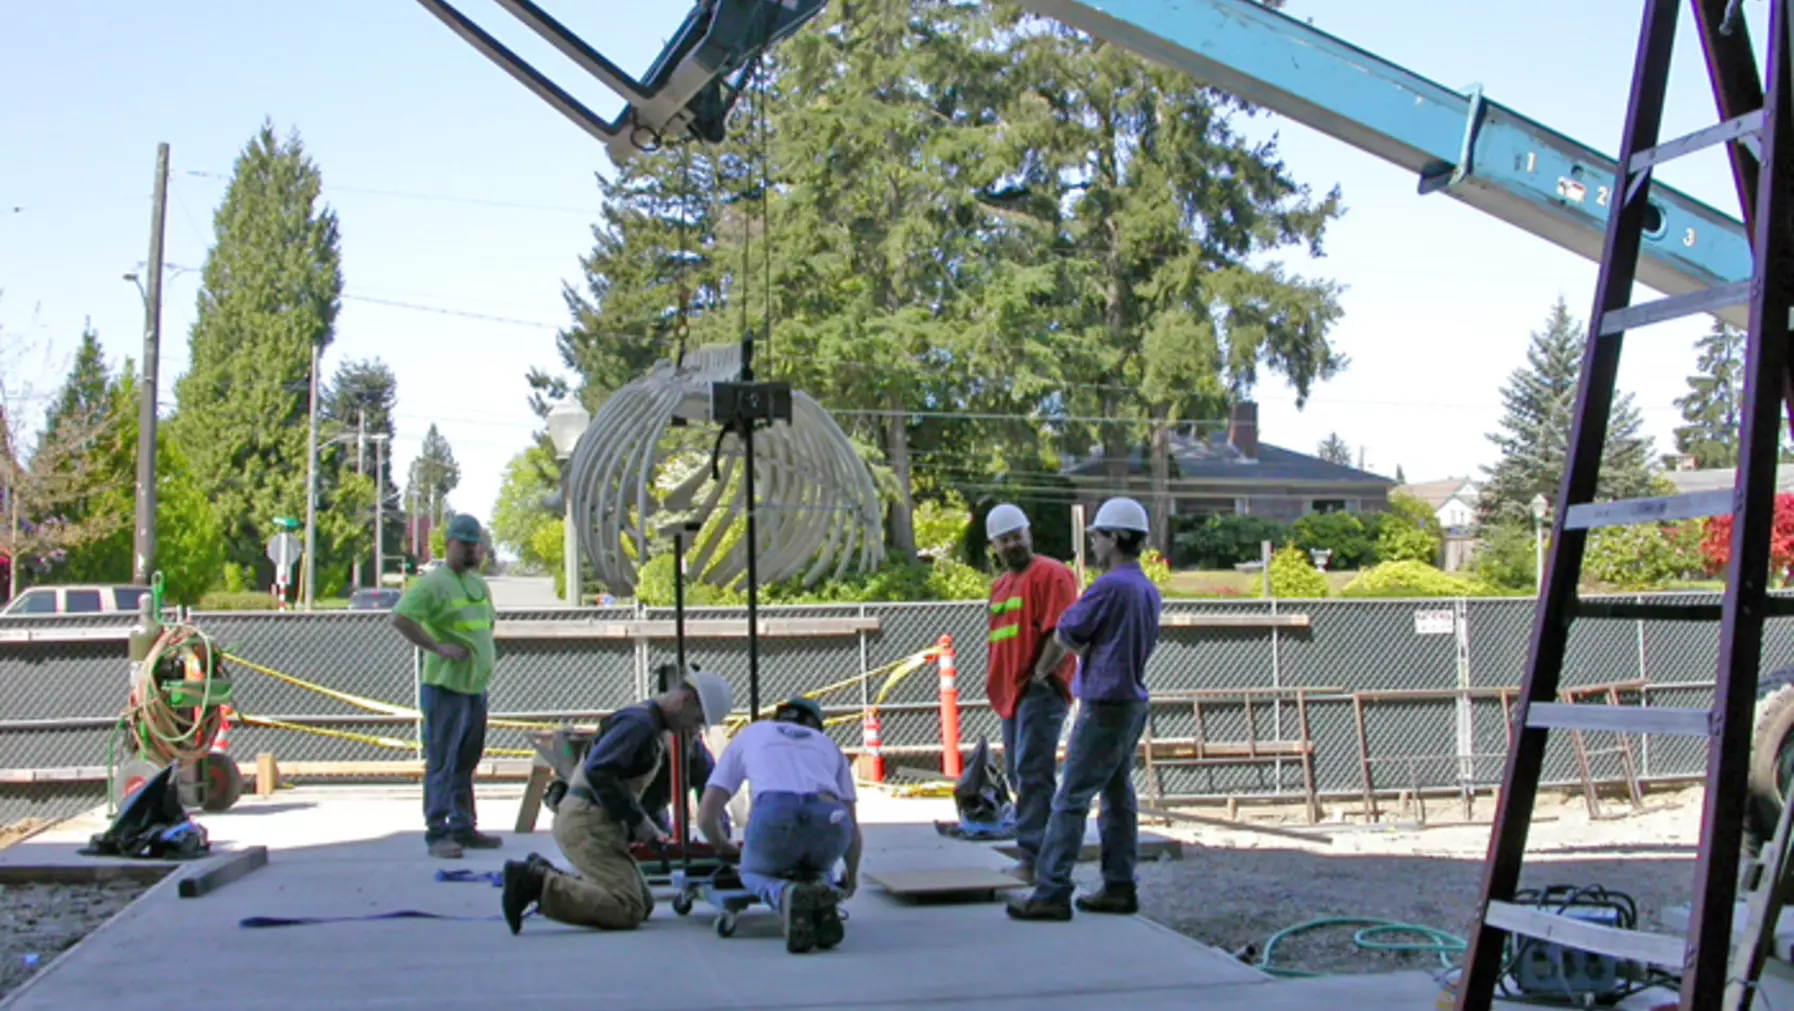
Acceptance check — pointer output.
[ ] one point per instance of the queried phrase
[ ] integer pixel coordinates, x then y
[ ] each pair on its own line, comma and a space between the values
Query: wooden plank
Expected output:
223, 871
1238, 826
1180, 620
1622, 719
63, 774
145, 871
1638, 945
731, 628
54, 635
527, 812
943, 881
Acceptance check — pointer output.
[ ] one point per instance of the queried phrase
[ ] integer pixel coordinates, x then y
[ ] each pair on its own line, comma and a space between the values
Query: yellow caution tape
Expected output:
344, 735
372, 705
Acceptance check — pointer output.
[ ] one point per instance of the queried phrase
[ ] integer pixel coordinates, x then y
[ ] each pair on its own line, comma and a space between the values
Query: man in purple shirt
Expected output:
1113, 629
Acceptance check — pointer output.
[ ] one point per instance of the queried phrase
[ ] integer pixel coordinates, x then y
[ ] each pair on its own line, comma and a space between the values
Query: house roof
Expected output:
1720, 478
1437, 493
1215, 459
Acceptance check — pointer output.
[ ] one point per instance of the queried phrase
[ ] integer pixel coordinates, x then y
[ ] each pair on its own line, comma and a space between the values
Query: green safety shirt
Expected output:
454, 608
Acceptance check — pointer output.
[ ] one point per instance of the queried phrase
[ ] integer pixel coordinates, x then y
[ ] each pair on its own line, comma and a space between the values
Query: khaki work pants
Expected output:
609, 892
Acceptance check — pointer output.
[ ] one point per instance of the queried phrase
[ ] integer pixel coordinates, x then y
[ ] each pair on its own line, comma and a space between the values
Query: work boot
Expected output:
1119, 899
538, 860
474, 840
798, 909
1033, 908
523, 887
445, 848
827, 918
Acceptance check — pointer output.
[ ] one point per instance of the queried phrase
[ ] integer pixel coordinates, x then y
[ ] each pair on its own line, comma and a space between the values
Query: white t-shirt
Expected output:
785, 757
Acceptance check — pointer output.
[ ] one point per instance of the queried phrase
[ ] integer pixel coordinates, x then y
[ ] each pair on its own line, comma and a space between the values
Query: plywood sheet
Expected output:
943, 881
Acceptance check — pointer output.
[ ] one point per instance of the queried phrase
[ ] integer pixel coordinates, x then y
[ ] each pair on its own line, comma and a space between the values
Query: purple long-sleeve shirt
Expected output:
1115, 624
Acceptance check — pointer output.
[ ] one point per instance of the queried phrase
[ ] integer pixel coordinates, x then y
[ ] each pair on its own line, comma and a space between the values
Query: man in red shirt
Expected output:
1025, 604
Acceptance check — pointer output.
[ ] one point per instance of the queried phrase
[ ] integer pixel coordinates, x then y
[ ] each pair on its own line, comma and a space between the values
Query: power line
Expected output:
418, 307
447, 198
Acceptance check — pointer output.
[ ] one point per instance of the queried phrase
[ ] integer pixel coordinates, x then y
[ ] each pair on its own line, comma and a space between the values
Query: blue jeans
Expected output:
1030, 757
1099, 760
454, 737
792, 836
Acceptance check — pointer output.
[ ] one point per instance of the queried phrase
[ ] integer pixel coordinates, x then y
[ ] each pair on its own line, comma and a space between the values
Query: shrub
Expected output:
1641, 557
1408, 532
1505, 557
240, 601
1411, 579
1221, 542
1344, 534
654, 587
1716, 542
1294, 575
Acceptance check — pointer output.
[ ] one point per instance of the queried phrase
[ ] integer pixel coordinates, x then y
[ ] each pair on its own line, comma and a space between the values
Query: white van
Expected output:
76, 600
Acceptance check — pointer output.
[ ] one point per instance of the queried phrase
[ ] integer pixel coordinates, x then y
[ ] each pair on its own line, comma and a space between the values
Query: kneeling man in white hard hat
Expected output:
803, 820
601, 816
1113, 629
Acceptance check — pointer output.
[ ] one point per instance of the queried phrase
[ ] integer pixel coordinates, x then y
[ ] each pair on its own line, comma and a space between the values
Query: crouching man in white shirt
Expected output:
803, 819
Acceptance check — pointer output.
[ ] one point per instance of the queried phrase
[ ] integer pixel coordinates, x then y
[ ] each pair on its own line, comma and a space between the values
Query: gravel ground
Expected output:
44, 920
1235, 889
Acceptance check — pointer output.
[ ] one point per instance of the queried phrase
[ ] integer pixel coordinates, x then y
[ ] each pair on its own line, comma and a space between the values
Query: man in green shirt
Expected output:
448, 615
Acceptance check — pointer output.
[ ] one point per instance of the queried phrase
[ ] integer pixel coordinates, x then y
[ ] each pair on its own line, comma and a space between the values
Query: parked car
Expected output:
77, 600
374, 600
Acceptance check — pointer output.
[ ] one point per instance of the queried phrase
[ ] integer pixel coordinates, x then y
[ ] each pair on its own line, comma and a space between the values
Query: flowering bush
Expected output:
1716, 541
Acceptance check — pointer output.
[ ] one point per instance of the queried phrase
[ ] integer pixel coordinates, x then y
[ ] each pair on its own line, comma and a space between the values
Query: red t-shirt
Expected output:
1024, 609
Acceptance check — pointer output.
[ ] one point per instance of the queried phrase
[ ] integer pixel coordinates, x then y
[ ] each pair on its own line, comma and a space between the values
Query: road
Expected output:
523, 591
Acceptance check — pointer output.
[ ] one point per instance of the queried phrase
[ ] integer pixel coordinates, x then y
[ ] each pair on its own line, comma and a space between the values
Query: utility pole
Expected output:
380, 511
311, 486
361, 437
144, 553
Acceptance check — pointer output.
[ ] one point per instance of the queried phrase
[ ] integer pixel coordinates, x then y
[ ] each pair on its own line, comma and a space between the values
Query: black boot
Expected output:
523, 886
1032, 908
1123, 900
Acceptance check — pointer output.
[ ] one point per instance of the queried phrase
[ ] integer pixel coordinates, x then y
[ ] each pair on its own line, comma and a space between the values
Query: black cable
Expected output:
1560, 899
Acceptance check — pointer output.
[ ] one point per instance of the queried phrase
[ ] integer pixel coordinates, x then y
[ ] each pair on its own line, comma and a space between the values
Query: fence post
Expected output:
949, 707
1466, 713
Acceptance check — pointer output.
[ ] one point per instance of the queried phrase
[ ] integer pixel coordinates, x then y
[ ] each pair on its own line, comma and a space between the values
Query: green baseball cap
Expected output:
464, 528
808, 706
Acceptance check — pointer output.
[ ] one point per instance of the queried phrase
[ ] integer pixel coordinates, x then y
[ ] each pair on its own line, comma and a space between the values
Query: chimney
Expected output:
1242, 429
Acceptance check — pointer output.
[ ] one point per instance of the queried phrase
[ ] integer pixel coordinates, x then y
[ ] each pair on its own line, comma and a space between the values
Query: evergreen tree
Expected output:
1400, 478
361, 392
1714, 405
1540, 400
84, 394
434, 474
361, 397
271, 291
1162, 215
1333, 449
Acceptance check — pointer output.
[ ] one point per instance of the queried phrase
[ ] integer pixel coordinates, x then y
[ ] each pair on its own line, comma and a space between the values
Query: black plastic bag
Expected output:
982, 793
152, 825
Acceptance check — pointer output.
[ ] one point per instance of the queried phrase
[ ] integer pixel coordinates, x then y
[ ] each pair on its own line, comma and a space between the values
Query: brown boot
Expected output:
1117, 899
1032, 908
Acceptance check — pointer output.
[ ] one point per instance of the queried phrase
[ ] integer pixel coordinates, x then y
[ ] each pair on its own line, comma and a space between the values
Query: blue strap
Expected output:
496, 877
254, 922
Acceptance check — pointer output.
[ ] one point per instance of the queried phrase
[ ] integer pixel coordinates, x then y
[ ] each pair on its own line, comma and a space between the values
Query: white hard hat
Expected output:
1120, 514
715, 697
1004, 519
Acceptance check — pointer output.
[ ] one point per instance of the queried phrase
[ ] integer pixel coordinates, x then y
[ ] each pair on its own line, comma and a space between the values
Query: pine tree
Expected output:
1713, 406
1162, 215
361, 397
1400, 478
1540, 401
434, 474
84, 396
271, 291
1333, 449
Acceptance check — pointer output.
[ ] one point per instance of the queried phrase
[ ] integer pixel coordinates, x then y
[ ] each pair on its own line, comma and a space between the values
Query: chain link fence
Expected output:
1425, 675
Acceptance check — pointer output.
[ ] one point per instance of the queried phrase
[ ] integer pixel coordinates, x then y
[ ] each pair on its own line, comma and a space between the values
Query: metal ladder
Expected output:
1754, 121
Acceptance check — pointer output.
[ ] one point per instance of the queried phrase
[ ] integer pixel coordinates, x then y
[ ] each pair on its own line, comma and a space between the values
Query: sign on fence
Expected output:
1433, 623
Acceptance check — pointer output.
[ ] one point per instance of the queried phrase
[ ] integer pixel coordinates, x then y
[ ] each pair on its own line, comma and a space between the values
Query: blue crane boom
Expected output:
1460, 144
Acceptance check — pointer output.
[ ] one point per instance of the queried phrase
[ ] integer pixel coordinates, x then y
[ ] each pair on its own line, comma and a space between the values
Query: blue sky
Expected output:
466, 199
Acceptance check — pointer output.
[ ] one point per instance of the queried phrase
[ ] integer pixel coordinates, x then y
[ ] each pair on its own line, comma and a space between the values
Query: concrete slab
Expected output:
335, 853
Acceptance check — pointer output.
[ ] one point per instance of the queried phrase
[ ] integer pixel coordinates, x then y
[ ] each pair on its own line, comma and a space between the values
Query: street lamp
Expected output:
566, 423
1539, 508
